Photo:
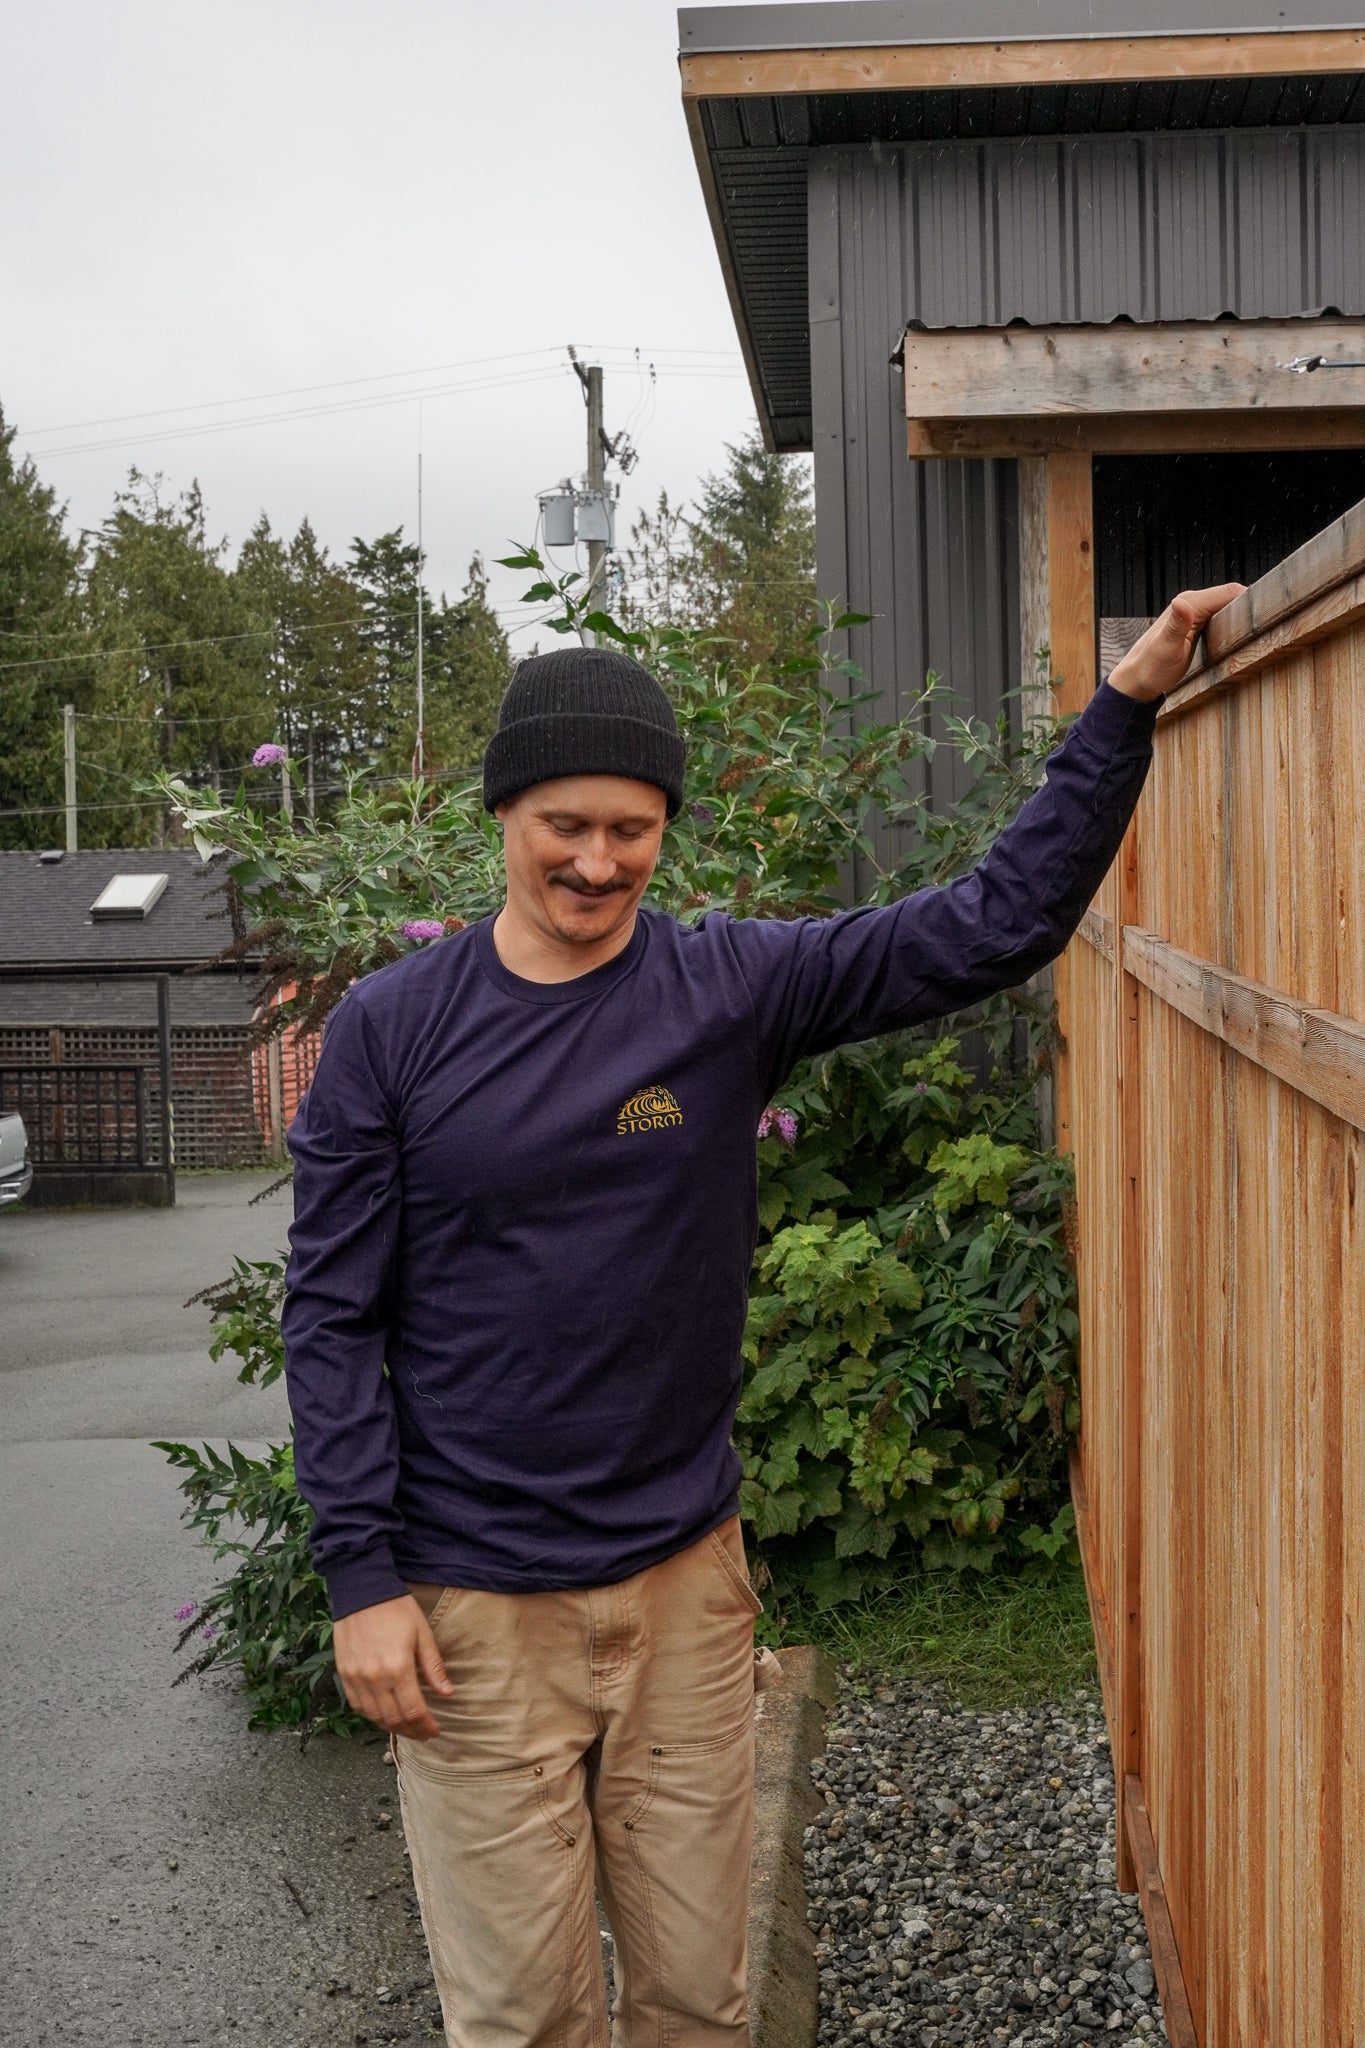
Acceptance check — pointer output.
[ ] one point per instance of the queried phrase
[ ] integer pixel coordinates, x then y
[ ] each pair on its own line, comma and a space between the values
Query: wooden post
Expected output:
163, 1046
1071, 578
1067, 559
1127, 1607
274, 1077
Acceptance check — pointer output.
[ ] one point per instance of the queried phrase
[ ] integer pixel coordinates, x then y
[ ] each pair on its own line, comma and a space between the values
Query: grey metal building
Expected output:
944, 167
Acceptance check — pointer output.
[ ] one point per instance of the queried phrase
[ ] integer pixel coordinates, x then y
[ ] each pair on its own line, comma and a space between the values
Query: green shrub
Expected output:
909, 1370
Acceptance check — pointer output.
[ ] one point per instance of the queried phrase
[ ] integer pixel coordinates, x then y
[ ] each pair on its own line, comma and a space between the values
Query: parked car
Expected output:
16, 1168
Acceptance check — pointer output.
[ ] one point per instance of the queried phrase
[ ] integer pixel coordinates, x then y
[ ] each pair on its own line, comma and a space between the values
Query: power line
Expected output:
150, 647
348, 383
287, 416
140, 803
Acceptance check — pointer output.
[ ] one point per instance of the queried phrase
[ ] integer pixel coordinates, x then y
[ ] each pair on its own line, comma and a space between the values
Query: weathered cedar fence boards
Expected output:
1213, 1090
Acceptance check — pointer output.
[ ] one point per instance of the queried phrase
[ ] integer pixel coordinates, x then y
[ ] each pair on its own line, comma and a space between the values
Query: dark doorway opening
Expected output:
1165, 523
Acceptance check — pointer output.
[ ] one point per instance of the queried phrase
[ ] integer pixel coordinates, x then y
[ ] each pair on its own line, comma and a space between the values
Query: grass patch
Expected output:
991, 1642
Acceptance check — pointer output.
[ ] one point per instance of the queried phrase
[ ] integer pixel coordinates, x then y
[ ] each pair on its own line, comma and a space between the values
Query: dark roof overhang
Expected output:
763, 87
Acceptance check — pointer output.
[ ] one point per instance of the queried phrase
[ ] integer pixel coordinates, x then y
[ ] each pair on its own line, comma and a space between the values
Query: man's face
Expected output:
580, 852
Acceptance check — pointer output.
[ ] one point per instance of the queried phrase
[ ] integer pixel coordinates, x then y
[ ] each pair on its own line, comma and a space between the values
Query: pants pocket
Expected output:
735, 1572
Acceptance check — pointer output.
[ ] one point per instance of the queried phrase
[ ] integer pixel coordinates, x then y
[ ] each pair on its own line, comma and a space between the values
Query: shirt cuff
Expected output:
363, 1581
1113, 716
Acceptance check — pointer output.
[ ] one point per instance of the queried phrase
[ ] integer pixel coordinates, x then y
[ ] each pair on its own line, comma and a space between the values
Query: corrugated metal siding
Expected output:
1264, 223
928, 548
1260, 223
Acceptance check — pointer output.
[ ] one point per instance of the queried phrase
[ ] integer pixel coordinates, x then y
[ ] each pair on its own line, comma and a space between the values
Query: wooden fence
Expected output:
1213, 1090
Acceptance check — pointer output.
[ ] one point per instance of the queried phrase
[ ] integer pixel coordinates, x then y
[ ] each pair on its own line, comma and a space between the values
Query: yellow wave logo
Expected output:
652, 1109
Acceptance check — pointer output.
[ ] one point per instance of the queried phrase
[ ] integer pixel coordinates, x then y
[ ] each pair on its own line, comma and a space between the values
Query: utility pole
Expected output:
69, 757
597, 474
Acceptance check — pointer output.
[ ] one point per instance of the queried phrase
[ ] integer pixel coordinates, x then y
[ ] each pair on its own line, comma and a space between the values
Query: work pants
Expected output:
599, 1737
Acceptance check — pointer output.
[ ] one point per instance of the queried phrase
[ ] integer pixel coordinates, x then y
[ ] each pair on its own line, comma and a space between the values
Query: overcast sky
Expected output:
205, 208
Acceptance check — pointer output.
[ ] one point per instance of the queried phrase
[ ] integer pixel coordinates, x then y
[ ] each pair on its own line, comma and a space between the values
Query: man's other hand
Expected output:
385, 1654
1160, 658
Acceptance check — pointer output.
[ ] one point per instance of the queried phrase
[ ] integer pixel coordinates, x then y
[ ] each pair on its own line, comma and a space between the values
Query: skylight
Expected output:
128, 896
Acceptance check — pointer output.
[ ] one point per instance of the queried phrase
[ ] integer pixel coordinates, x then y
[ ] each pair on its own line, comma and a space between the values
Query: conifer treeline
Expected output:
176, 657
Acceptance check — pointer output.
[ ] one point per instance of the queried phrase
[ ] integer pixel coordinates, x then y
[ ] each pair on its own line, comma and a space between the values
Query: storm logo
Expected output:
653, 1109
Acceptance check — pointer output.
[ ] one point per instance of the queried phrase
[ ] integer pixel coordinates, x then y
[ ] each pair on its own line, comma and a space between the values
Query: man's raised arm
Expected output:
821, 983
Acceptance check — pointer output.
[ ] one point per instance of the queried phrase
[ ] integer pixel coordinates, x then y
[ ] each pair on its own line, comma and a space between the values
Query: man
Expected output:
524, 1218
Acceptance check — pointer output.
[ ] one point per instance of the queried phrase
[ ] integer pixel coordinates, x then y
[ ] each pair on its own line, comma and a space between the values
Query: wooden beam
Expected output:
1143, 433
926, 67
1156, 1911
1316, 1052
1184, 366
1098, 931
1071, 579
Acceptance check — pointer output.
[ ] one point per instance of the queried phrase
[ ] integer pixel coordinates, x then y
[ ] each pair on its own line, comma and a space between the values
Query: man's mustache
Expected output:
567, 879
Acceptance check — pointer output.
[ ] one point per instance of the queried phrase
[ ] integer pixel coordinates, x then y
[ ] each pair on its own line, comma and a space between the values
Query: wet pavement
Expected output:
167, 1876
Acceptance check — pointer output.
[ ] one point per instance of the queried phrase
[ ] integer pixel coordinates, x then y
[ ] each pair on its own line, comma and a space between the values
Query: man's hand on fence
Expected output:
384, 1656
1160, 658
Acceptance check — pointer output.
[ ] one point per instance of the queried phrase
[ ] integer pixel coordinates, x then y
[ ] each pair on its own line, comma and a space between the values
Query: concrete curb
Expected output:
789, 1732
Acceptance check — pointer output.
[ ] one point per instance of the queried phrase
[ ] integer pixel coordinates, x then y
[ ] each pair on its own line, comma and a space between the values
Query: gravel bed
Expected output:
960, 1879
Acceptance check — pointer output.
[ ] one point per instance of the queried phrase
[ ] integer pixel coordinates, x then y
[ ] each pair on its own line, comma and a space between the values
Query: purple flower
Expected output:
268, 756
423, 928
184, 1613
703, 813
208, 1631
780, 1120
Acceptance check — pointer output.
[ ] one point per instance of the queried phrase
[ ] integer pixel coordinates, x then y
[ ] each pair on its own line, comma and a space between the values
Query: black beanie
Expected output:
583, 711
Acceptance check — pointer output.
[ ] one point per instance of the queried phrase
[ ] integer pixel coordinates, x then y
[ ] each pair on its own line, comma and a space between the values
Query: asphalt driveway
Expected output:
167, 1877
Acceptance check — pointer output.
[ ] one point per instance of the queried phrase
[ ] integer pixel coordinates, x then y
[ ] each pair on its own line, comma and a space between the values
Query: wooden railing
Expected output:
1213, 1092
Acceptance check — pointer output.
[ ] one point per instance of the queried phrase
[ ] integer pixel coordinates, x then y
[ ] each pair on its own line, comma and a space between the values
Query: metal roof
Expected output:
755, 149
45, 910
877, 24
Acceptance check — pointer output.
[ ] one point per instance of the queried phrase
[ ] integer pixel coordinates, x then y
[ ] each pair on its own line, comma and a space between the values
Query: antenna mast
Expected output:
419, 758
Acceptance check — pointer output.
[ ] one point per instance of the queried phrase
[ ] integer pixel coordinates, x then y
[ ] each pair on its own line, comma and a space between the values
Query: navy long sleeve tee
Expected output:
525, 1212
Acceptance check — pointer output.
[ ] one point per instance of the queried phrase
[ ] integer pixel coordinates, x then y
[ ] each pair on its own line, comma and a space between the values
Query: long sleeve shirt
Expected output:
525, 1212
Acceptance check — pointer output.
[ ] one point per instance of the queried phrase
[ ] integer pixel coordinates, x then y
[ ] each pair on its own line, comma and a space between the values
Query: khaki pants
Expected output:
594, 1737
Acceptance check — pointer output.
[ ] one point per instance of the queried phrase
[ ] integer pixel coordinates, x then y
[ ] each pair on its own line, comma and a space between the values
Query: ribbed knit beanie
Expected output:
583, 711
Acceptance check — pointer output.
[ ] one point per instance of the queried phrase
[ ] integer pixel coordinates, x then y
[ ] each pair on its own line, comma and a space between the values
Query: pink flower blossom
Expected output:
184, 1613
268, 756
209, 1631
423, 928
780, 1120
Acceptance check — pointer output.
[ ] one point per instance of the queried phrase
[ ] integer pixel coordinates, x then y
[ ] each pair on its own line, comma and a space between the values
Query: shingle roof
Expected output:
103, 1001
45, 910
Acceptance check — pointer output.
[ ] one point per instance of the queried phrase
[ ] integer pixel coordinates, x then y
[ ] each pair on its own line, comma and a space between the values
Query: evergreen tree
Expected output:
182, 653
465, 658
40, 647
741, 564
321, 671
473, 665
